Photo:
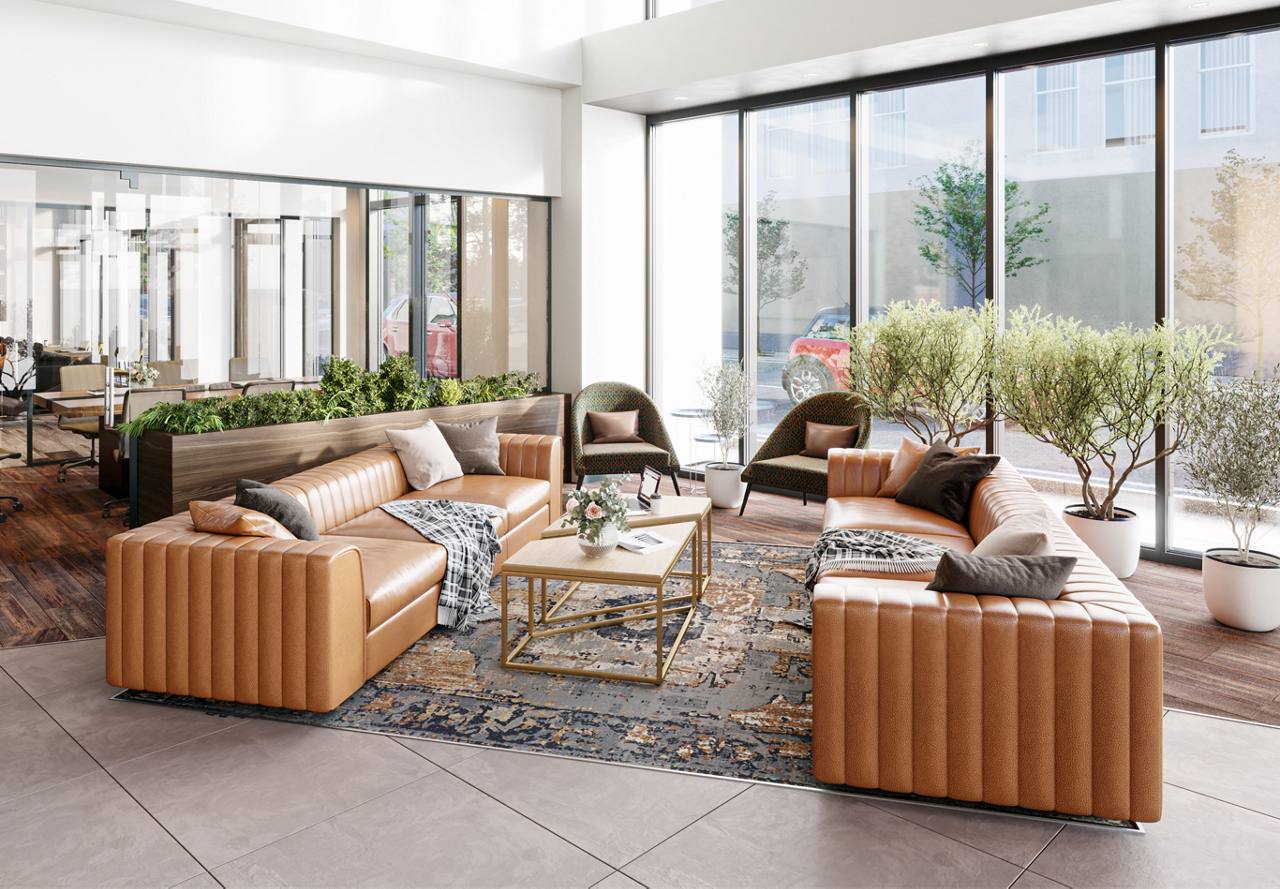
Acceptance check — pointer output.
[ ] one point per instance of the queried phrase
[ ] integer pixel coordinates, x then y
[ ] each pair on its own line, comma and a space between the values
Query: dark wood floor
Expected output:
52, 584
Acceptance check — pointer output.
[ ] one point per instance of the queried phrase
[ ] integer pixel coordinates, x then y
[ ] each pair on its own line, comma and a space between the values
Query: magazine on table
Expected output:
642, 541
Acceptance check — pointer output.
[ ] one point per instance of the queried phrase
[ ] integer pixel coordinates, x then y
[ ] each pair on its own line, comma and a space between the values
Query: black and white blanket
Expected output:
882, 552
471, 544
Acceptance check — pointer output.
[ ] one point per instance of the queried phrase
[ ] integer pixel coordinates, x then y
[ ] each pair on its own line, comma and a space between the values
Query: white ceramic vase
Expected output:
1246, 597
607, 541
725, 486
1118, 542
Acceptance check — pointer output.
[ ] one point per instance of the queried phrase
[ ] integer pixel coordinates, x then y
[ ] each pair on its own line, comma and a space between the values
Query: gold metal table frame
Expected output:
540, 562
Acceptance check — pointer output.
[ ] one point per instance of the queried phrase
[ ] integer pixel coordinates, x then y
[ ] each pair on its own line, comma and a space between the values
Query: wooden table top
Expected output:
89, 404
562, 558
666, 510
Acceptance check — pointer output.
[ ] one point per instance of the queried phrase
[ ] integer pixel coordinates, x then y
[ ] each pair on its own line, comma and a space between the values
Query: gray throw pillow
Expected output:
944, 480
1024, 535
475, 445
280, 505
1036, 577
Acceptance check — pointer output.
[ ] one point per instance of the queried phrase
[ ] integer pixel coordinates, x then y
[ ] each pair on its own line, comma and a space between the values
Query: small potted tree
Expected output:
1233, 459
927, 367
728, 393
1099, 397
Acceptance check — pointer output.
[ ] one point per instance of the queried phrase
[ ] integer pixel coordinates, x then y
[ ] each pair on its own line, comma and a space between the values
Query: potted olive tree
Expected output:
927, 367
728, 393
1099, 397
1233, 459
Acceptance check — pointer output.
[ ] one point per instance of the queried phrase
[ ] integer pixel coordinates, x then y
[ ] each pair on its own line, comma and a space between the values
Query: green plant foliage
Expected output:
927, 367
346, 390
1233, 453
1099, 396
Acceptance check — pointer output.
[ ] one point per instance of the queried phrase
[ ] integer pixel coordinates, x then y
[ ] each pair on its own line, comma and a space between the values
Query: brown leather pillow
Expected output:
614, 427
822, 437
213, 517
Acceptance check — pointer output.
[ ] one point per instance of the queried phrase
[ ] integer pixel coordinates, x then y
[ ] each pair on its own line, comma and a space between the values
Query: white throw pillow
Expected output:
1024, 535
425, 455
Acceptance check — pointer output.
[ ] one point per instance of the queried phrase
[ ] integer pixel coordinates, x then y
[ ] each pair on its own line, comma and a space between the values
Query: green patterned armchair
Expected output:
779, 463
633, 456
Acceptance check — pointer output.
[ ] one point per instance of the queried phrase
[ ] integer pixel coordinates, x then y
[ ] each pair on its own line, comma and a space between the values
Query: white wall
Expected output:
598, 271
86, 85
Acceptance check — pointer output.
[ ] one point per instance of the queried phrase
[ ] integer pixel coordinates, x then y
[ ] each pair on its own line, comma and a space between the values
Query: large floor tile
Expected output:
42, 669
437, 831
614, 812
617, 880
10, 691
87, 832
1200, 842
439, 752
35, 753
1233, 761
202, 880
237, 790
1017, 840
114, 731
778, 837
1032, 880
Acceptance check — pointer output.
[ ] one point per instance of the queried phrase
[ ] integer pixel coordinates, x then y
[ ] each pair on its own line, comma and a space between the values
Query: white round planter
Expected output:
1117, 542
725, 486
608, 540
1246, 597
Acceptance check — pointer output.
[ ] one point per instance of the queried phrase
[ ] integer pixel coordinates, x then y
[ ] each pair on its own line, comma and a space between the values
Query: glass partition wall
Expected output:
1147, 170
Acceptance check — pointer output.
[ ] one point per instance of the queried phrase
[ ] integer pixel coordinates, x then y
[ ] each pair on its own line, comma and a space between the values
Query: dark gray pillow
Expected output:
944, 480
475, 445
1036, 577
280, 505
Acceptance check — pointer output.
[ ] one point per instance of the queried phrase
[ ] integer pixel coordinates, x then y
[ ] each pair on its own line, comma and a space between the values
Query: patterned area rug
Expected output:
736, 701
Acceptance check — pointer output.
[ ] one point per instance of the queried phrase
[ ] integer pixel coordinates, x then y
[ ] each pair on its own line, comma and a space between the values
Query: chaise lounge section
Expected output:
1052, 706
296, 623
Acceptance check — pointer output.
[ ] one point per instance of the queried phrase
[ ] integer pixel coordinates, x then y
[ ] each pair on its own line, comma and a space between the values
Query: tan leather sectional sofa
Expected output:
295, 623
1046, 705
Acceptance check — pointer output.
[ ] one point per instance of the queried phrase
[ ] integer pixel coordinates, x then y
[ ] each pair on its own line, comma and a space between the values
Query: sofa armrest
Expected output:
1047, 705
856, 472
279, 623
534, 456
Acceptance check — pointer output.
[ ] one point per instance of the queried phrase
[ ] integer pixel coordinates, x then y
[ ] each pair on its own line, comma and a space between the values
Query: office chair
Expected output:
258, 387
80, 378
9, 407
135, 402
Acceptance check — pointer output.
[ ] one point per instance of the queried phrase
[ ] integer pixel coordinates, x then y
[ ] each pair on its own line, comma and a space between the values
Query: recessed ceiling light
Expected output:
1199, 4
682, 98
981, 45
813, 74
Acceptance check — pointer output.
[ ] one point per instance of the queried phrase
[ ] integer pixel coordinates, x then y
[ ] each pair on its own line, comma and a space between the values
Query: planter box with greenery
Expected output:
195, 450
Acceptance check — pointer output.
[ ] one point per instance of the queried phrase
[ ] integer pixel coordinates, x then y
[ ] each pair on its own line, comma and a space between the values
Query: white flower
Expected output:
572, 504
594, 511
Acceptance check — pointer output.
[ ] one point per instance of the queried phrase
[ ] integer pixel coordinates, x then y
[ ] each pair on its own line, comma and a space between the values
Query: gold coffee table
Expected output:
666, 511
558, 558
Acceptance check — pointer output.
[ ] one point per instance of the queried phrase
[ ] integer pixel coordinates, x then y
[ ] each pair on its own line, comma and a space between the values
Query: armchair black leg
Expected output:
746, 494
675, 482
804, 498
581, 479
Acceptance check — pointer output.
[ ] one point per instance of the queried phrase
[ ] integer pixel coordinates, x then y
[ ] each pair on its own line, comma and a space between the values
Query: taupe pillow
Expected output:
1025, 535
425, 455
613, 427
281, 506
822, 437
906, 460
475, 445
943, 483
1036, 577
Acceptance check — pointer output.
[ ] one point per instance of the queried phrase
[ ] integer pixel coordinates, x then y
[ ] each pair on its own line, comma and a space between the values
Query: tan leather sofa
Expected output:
295, 623
1046, 705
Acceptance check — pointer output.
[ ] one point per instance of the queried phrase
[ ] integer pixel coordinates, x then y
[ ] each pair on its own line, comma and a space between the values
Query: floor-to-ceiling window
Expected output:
1080, 219
1075, 139
1224, 133
797, 289
695, 305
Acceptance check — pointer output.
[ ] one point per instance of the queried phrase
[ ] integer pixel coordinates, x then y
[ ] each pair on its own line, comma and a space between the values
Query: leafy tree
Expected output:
780, 269
1234, 259
951, 212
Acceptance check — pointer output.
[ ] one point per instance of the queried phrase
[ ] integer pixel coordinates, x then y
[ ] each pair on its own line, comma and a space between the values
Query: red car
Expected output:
442, 332
819, 358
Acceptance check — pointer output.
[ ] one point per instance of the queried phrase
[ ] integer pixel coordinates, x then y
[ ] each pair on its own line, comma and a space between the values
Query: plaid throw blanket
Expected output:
470, 543
884, 552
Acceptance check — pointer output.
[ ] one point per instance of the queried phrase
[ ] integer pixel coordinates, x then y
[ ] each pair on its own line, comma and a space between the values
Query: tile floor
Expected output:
99, 792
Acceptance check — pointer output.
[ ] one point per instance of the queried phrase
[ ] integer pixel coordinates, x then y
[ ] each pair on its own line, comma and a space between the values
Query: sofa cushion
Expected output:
797, 463
906, 460
883, 514
520, 497
395, 572
943, 483
614, 427
1034, 577
819, 438
217, 517
279, 505
476, 445
642, 448
424, 454
1024, 535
